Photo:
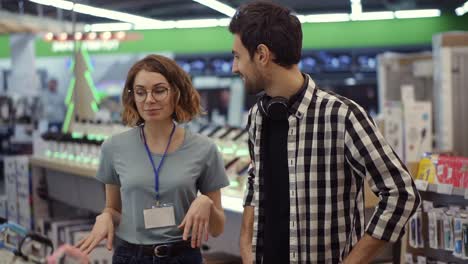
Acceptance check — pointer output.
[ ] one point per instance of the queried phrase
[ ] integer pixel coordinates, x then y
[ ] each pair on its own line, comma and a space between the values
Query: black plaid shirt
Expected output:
333, 146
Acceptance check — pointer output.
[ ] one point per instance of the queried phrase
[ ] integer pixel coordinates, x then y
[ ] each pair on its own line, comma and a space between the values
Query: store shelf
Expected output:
62, 166
436, 188
231, 201
439, 254
442, 194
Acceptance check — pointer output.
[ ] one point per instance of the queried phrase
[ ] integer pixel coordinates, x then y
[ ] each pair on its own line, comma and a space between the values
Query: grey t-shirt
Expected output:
195, 166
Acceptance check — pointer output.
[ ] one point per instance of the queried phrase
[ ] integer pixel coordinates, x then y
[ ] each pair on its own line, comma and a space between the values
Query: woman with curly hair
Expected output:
154, 171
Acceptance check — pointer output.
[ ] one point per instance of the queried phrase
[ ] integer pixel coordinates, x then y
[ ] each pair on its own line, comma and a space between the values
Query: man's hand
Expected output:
246, 235
365, 250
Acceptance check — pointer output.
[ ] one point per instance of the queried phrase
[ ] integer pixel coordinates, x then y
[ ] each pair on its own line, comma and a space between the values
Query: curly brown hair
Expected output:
186, 98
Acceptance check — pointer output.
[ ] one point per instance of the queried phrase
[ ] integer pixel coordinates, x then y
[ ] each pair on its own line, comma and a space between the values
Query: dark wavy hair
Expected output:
267, 23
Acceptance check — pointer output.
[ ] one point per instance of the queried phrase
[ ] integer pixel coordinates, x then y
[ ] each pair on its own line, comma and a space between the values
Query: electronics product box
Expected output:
442, 169
25, 217
445, 169
393, 126
461, 173
408, 128
3, 206
11, 189
417, 133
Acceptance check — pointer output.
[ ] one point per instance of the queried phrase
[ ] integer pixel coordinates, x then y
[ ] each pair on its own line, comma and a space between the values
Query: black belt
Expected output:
162, 250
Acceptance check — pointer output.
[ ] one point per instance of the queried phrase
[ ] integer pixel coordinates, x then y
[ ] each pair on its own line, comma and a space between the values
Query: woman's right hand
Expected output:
103, 228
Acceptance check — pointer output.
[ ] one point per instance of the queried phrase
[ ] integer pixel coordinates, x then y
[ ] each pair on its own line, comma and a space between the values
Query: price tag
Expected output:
445, 188
421, 185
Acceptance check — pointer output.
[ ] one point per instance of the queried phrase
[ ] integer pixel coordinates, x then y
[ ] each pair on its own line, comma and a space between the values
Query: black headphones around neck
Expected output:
276, 108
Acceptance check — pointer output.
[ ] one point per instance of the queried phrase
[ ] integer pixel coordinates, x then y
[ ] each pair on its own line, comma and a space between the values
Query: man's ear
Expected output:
263, 54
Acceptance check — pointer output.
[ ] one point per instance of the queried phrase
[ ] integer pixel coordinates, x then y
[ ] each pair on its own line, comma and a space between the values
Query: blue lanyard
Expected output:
156, 171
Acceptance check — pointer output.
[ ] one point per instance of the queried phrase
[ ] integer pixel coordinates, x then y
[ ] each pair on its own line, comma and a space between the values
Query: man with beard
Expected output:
311, 152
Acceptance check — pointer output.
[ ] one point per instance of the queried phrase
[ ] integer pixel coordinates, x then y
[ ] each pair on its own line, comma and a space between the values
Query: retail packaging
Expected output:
432, 229
458, 236
443, 169
465, 238
427, 169
11, 189
393, 125
3, 206
25, 216
417, 137
408, 128
448, 231
18, 190
415, 235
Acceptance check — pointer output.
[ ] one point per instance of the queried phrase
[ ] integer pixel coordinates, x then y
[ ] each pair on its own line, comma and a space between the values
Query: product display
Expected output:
20, 246
66, 86
415, 234
450, 80
442, 169
441, 224
17, 244
18, 190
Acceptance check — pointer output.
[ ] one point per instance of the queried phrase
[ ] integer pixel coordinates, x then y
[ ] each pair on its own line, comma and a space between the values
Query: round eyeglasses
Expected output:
158, 94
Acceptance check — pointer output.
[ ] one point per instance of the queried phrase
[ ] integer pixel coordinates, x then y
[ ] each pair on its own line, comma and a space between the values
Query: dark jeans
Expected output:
126, 255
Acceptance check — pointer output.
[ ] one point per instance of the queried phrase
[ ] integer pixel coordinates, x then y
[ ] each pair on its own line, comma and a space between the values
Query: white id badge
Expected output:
159, 216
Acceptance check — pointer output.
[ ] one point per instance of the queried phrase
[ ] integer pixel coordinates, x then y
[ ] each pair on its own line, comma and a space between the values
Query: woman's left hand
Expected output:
197, 219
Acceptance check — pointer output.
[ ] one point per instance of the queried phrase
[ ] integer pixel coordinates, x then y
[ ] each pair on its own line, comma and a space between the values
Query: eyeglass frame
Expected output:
146, 96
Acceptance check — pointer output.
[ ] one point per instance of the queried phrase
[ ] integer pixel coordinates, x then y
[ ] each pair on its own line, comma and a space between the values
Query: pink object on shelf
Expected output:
68, 251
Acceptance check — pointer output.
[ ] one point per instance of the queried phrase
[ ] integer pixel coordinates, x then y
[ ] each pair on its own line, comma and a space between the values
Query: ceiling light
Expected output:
197, 23
324, 18
160, 25
67, 5
96, 11
224, 22
356, 6
120, 35
105, 35
49, 36
63, 36
99, 27
110, 14
218, 6
91, 36
417, 13
462, 9
372, 16
78, 36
